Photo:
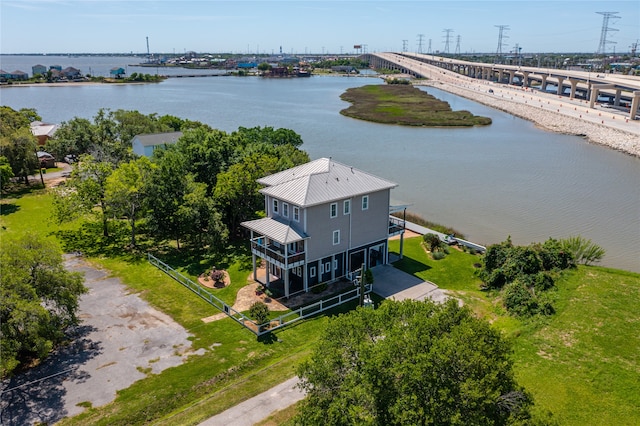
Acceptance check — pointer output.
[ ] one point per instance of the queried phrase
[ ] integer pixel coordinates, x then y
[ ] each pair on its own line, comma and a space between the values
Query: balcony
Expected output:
276, 254
396, 226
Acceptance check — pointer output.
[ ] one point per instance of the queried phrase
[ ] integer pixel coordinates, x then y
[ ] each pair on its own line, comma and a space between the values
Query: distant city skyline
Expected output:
313, 27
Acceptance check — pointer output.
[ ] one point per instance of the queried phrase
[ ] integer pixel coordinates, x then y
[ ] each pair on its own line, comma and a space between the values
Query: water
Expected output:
509, 178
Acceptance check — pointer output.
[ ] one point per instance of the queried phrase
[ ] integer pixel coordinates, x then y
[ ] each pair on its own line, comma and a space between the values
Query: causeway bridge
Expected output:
622, 90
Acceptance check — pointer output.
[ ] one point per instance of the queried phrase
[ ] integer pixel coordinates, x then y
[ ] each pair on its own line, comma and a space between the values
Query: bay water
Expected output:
506, 179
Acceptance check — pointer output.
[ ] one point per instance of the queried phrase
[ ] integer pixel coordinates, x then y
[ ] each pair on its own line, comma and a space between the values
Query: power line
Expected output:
420, 38
602, 47
501, 36
429, 49
457, 52
447, 37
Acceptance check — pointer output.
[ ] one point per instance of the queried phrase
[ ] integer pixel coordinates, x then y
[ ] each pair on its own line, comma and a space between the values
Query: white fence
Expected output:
274, 324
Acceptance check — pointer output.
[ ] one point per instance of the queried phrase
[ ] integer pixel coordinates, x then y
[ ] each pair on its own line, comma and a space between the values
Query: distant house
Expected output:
38, 69
117, 72
14, 75
47, 160
324, 221
43, 131
145, 144
55, 67
347, 69
71, 73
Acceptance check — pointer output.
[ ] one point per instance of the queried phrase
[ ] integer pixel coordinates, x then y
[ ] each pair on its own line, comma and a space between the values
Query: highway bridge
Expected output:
621, 91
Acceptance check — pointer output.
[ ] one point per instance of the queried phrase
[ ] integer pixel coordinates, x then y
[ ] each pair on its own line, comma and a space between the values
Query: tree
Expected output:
178, 206
125, 190
19, 147
83, 192
74, 137
39, 299
237, 190
264, 66
432, 241
410, 363
5, 172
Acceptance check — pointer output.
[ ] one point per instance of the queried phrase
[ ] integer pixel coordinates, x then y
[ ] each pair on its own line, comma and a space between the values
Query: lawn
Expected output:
582, 364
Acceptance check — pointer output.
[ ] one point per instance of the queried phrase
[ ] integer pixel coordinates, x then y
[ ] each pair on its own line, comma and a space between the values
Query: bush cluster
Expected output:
524, 274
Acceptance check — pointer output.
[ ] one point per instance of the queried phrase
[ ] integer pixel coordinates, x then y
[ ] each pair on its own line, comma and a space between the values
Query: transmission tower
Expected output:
457, 52
501, 36
447, 37
429, 50
404, 45
602, 47
420, 38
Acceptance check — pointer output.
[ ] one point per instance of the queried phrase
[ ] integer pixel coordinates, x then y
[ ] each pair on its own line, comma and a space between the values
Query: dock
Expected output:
447, 239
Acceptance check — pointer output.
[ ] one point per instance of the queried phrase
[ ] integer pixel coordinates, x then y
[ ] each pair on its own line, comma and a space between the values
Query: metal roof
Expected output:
150, 139
321, 181
275, 229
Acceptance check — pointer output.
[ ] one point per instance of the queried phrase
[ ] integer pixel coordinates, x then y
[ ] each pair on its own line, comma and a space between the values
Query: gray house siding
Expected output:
335, 242
371, 224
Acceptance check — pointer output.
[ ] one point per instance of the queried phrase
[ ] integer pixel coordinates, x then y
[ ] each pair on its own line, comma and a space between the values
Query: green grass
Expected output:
582, 364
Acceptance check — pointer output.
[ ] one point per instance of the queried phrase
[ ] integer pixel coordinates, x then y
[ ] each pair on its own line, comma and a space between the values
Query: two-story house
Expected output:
323, 220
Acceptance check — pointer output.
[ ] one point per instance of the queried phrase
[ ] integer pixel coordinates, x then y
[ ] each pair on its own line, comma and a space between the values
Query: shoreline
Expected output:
520, 103
550, 112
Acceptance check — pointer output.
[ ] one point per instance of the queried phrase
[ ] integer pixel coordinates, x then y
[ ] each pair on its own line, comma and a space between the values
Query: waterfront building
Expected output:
324, 221
145, 144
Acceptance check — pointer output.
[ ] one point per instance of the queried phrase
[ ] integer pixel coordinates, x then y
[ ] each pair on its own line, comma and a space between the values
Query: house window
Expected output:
365, 202
347, 206
312, 272
285, 209
327, 267
296, 213
336, 237
334, 209
275, 206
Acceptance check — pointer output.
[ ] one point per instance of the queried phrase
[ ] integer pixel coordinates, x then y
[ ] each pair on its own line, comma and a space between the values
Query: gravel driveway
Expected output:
119, 339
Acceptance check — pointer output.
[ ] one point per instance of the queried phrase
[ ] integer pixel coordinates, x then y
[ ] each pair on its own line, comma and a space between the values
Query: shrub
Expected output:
583, 250
438, 255
259, 312
217, 276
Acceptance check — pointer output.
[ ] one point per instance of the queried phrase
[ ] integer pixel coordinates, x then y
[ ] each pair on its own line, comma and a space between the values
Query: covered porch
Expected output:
282, 248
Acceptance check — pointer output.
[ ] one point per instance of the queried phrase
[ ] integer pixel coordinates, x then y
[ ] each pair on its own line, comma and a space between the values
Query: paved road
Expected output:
390, 283
120, 336
259, 407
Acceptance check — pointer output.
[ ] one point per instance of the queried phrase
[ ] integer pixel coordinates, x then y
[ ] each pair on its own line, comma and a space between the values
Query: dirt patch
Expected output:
246, 297
205, 281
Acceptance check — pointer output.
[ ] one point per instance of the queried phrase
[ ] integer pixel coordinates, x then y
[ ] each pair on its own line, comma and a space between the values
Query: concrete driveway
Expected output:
392, 283
120, 340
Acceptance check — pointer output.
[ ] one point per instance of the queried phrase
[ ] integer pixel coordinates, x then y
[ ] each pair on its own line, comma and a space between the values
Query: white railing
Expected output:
274, 324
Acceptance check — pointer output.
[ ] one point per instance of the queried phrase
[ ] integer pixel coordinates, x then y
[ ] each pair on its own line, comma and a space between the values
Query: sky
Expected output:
305, 26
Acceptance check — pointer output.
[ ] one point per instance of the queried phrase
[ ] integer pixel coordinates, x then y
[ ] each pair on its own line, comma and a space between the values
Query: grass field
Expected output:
582, 365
